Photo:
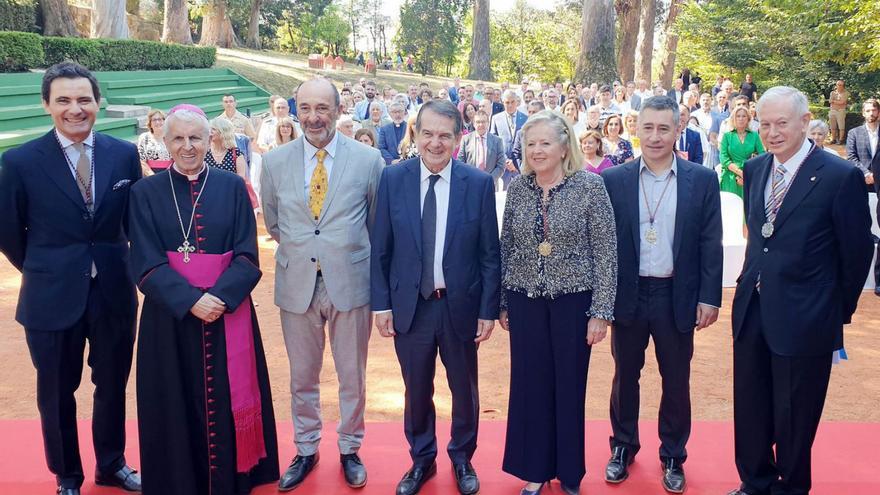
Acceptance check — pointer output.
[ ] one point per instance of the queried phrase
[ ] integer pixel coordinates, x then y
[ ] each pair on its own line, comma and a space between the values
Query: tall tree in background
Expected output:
596, 62
431, 30
175, 28
109, 20
216, 26
628, 12
646, 39
57, 19
479, 58
253, 34
667, 68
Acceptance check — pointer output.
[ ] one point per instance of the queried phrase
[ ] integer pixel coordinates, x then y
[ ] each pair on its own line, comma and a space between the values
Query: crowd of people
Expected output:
383, 208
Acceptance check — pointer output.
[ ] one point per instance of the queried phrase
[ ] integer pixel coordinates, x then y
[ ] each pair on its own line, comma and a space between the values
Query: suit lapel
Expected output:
57, 168
631, 187
298, 170
412, 193
340, 161
801, 186
457, 195
684, 181
103, 167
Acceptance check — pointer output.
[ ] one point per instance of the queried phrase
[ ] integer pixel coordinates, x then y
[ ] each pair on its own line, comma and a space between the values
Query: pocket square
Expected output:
121, 184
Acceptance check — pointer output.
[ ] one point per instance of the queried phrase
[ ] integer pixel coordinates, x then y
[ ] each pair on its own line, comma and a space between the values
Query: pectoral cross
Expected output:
186, 248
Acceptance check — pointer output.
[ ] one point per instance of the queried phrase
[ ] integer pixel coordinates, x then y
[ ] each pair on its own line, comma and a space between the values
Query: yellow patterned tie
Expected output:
318, 189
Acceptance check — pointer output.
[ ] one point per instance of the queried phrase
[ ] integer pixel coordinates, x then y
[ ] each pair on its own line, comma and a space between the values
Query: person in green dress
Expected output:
737, 146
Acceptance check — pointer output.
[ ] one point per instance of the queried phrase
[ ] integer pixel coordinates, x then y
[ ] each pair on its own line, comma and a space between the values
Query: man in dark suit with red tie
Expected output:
807, 257
64, 198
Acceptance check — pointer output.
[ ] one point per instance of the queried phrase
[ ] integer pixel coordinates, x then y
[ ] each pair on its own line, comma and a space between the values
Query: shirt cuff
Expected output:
710, 305
381, 312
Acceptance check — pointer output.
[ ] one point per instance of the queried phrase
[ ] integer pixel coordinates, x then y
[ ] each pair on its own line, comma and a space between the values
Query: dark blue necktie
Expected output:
429, 238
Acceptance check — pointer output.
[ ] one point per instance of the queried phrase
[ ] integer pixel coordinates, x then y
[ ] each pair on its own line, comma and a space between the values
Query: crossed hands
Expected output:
208, 308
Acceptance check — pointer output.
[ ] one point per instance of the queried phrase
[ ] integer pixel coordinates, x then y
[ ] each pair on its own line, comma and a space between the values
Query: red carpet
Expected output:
845, 461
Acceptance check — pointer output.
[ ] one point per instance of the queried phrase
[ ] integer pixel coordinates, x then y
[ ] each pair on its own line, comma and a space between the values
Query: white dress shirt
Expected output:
656, 260
791, 166
872, 140
73, 155
441, 192
310, 159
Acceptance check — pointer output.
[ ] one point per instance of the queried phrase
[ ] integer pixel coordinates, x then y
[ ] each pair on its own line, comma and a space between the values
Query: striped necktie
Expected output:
777, 193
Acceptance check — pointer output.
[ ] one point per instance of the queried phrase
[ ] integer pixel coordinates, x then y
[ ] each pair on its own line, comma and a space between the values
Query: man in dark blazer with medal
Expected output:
669, 253
807, 257
435, 287
64, 198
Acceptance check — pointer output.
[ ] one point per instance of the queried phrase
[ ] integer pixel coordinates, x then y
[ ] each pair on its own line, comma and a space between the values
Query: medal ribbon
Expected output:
653, 214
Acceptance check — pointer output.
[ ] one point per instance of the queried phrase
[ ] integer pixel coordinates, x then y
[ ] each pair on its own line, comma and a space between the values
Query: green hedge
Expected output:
20, 51
107, 55
18, 15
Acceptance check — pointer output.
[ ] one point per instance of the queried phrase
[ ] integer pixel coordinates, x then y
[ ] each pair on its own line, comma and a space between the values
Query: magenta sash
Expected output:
159, 164
202, 271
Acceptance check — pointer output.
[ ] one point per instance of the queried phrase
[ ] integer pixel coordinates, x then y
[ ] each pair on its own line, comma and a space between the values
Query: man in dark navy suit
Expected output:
807, 257
435, 284
391, 134
669, 253
64, 198
863, 151
688, 145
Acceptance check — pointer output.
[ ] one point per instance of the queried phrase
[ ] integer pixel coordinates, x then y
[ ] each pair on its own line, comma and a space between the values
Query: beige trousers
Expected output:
837, 124
349, 335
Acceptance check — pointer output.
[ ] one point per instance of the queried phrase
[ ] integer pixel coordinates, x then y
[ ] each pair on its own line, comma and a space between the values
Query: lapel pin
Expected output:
813, 178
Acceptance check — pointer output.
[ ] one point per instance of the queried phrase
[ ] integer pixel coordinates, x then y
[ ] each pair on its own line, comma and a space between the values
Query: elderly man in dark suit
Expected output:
807, 255
64, 198
688, 146
668, 216
436, 213
507, 125
861, 151
391, 134
483, 149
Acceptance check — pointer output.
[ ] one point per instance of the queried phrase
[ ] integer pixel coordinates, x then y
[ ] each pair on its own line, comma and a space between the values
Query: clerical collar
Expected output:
190, 177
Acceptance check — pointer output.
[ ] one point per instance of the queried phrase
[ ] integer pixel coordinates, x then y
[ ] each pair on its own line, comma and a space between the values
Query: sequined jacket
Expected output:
582, 234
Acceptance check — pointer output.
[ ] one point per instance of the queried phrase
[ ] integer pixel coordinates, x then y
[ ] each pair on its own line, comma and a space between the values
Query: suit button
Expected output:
317, 232
86, 274
313, 260
86, 217
765, 250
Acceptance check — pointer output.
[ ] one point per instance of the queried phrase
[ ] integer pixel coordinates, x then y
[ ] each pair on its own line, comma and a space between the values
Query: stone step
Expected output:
127, 111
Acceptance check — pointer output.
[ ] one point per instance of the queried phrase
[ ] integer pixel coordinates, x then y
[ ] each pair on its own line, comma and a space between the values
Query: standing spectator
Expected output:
285, 132
616, 149
808, 249
527, 97
593, 121
408, 147
630, 127
376, 119
570, 112
621, 101
466, 95
559, 287
322, 281
606, 105
818, 132
64, 196
467, 118
689, 144
366, 136
669, 266
151, 147
551, 99
718, 82
507, 125
223, 152
591, 146
685, 76
738, 145
838, 100
748, 88
515, 159
391, 134
266, 136
483, 149
863, 152
677, 91
362, 109
240, 123
453, 91
345, 125
450, 303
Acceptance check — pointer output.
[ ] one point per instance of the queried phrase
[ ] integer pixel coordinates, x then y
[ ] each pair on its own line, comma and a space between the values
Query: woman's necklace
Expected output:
186, 247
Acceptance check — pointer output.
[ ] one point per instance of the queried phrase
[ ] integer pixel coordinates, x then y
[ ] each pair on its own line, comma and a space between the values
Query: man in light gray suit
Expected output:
506, 125
483, 150
318, 193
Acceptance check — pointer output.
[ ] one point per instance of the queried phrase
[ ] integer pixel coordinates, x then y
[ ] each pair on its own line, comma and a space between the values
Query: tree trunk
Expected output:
216, 26
57, 19
646, 41
253, 38
175, 28
668, 66
109, 20
596, 62
479, 57
628, 12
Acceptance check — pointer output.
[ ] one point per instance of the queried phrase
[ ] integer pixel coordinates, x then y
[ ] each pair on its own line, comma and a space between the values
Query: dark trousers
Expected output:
417, 353
549, 359
653, 319
776, 400
58, 358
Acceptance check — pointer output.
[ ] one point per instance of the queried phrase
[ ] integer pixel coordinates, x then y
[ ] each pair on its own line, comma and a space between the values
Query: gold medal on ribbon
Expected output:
545, 248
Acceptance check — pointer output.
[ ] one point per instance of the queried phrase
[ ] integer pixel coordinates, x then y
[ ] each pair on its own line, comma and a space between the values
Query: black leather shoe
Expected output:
877, 290
616, 469
296, 473
673, 476
466, 478
526, 491
414, 479
126, 478
737, 492
570, 490
68, 491
354, 470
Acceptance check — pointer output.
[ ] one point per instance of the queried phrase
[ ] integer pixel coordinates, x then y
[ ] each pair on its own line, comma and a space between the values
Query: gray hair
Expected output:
396, 105
508, 94
186, 116
537, 104
443, 108
375, 104
660, 104
797, 99
818, 125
